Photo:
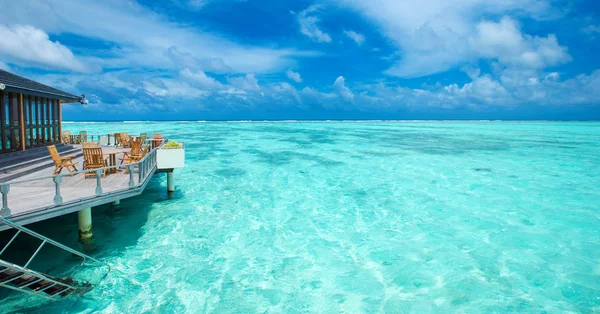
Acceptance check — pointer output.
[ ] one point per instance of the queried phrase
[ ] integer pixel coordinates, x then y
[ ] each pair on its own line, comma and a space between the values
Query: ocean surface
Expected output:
350, 217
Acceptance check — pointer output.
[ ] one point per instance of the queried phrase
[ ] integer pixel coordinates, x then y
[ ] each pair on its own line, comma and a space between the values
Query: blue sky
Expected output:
330, 59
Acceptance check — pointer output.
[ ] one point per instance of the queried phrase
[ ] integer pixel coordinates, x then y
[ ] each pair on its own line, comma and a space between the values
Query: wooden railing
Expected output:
111, 138
145, 168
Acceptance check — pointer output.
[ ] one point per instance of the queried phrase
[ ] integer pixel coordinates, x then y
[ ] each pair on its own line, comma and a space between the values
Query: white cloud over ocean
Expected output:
398, 55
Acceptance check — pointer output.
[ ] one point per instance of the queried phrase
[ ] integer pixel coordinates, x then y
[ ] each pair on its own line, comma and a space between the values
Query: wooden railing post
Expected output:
131, 183
99, 182
57, 197
108, 137
5, 211
146, 167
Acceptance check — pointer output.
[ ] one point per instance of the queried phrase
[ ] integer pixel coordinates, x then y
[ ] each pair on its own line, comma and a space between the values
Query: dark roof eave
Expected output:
65, 99
23, 85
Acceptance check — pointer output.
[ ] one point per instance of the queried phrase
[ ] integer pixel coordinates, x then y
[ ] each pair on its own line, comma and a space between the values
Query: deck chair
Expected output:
83, 137
143, 137
90, 144
135, 158
61, 162
118, 141
135, 151
156, 139
66, 137
94, 159
124, 140
142, 155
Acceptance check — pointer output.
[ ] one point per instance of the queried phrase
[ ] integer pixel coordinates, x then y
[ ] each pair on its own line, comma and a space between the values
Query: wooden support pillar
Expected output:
22, 121
84, 218
170, 181
60, 132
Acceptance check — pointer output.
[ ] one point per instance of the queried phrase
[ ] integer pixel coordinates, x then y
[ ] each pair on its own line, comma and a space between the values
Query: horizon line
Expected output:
341, 120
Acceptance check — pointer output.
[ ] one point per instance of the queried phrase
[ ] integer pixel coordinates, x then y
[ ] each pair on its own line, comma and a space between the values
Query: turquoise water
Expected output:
367, 217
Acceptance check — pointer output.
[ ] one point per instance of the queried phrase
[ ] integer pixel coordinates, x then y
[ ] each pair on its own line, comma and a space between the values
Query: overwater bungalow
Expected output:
46, 172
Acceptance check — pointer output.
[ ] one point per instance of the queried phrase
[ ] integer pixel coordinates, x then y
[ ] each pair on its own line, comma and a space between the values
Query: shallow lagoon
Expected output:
353, 217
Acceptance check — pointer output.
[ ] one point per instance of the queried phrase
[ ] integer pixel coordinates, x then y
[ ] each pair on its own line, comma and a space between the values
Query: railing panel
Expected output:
130, 169
57, 197
105, 139
25, 196
4, 209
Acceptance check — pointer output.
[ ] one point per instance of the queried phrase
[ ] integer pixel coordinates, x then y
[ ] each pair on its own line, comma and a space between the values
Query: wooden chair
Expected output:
83, 137
143, 154
118, 141
143, 137
90, 144
66, 137
61, 162
124, 140
93, 159
135, 158
156, 139
135, 151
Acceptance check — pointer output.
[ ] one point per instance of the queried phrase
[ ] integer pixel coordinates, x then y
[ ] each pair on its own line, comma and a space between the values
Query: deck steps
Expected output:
19, 164
11, 276
16, 159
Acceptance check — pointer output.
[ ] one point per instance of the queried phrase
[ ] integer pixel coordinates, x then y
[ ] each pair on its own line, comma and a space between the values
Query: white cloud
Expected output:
284, 94
344, 92
27, 44
197, 5
513, 89
358, 38
505, 42
140, 36
144, 92
308, 25
294, 76
245, 83
591, 29
5, 67
186, 60
483, 89
200, 80
433, 36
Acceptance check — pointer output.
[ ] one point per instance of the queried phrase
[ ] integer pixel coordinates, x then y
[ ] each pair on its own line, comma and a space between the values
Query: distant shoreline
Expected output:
324, 120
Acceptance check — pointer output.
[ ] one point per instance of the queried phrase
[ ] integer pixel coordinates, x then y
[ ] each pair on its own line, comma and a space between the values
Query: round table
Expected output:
112, 159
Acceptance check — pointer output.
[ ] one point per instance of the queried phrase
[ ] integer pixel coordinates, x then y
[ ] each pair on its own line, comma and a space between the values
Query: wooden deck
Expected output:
32, 201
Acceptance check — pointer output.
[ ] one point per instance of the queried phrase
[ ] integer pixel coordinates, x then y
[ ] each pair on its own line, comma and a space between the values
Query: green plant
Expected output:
172, 145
